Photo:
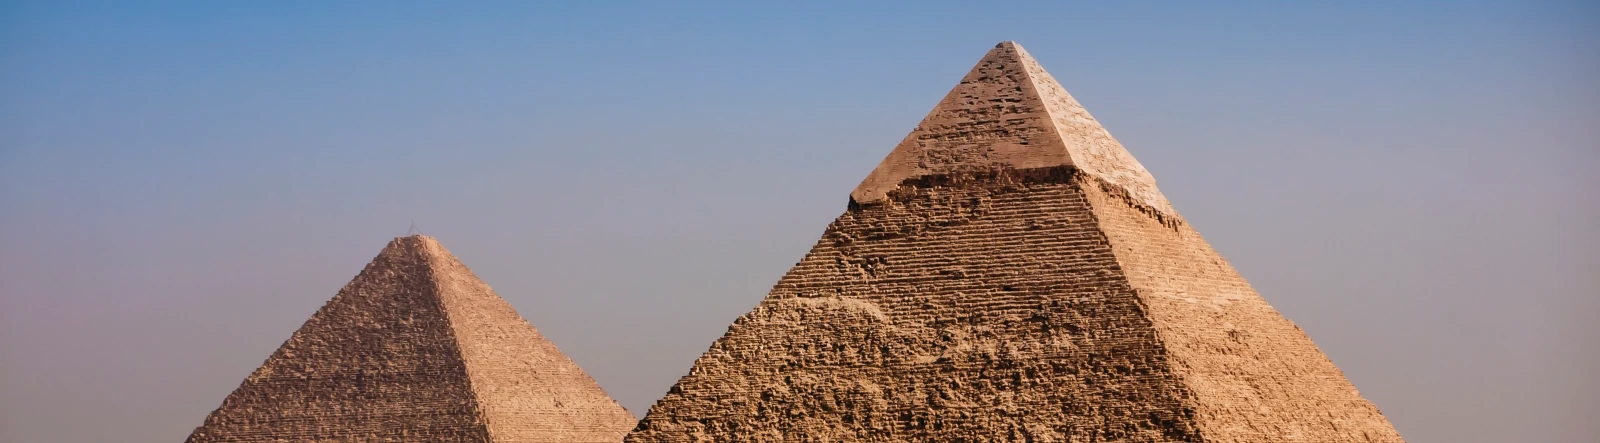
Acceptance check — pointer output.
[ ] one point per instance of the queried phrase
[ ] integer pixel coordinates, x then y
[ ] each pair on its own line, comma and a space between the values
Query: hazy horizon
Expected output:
183, 184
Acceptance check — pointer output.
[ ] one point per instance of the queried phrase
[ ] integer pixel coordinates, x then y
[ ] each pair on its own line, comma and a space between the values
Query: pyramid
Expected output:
1010, 273
416, 348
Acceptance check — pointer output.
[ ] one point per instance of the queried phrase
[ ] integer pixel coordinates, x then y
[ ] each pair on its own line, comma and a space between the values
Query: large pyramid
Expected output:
416, 348
1011, 273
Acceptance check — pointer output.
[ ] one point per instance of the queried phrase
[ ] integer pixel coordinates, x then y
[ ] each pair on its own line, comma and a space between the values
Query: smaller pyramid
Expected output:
416, 348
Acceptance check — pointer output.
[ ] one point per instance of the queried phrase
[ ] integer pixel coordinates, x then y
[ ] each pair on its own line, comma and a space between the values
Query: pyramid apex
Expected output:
416, 237
1008, 113
418, 243
416, 246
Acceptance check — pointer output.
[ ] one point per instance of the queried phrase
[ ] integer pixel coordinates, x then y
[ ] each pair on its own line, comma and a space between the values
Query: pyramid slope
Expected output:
1254, 375
1009, 288
528, 390
398, 355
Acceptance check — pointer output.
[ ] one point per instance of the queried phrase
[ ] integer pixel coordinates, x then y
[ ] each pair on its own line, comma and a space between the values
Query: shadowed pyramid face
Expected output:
416, 348
1010, 273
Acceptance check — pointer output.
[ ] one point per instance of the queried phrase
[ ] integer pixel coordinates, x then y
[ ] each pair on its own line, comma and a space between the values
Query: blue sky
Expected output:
183, 183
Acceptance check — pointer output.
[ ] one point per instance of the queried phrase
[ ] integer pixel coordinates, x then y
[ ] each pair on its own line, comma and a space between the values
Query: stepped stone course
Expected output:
416, 348
1010, 273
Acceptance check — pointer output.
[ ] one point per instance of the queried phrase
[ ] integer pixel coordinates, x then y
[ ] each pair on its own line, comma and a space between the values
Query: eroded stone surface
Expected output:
416, 348
989, 283
1008, 112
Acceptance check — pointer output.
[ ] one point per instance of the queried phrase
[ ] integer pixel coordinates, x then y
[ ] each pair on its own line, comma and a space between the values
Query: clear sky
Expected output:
183, 184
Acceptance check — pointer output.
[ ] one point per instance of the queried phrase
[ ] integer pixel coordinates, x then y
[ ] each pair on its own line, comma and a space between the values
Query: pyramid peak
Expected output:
420, 238
1007, 112
408, 242
420, 245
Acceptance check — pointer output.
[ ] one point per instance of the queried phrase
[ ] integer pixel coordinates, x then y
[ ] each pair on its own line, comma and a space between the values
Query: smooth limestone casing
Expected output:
1010, 273
416, 348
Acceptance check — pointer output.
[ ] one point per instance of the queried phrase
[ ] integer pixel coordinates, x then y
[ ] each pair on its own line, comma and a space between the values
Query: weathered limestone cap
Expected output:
1009, 112
417, 348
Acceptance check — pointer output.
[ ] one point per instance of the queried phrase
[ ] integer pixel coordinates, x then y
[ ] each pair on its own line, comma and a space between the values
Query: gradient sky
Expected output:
183, 184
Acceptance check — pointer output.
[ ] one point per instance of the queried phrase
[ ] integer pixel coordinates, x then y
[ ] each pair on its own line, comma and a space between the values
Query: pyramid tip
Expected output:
1010, 50
415, 240
1048, 128
416, 244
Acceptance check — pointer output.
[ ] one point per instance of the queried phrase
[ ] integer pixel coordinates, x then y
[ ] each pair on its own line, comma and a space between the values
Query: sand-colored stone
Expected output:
1008, 112
416, 348
1010, 273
